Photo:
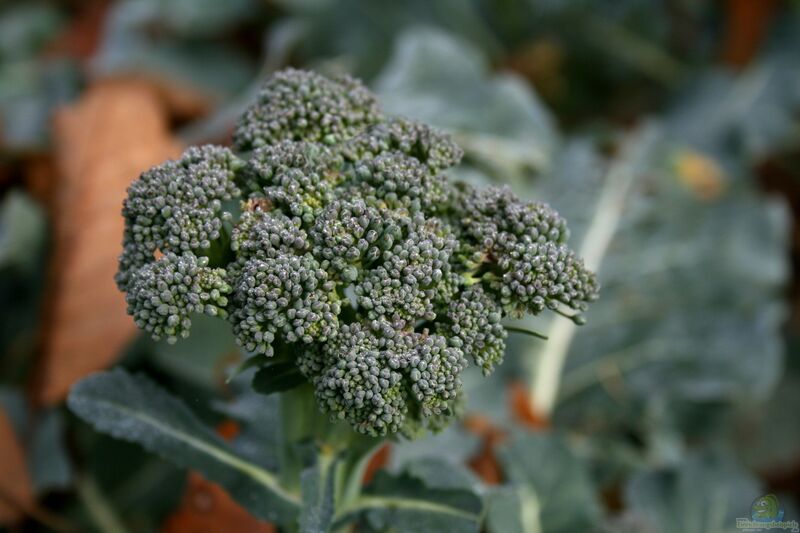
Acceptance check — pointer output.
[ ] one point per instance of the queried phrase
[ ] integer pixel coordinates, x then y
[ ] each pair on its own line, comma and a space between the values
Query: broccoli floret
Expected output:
473, 325
360, 380
413, 273
267, 234
431, 147
297, 176
495, 217
287, 295
304, 106
352, 255
400, 181
543, 275
435, 373
177, 206
162, 295
374, 378
521, 245
350, 235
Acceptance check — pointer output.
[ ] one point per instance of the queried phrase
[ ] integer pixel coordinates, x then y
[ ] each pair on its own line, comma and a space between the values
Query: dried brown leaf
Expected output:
485, 463
83, 33
524, 413
747, 24
378, 461
207, 508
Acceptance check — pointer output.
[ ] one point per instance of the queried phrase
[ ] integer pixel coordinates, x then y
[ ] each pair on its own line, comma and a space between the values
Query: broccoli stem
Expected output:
309, 436
298, 416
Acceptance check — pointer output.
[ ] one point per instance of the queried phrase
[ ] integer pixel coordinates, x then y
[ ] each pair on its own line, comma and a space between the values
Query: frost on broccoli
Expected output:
351, 253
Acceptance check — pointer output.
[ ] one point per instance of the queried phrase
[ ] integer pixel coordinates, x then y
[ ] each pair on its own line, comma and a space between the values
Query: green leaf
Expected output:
261, 434
690, 312
435, 77
22, 232
701, 494
30, 90
419, 500
441, 473
48, 460
198, 359
278, 377
756, 109
452, 443
26, 28
197, 18
373, 27
550, 478
215, 70
23, 239
512, 510
766, 435
135, 409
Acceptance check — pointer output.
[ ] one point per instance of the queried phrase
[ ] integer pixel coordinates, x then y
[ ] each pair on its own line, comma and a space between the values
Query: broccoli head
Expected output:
350, 253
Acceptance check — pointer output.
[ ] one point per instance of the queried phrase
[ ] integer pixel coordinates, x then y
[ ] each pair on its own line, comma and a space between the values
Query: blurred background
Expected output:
667, 133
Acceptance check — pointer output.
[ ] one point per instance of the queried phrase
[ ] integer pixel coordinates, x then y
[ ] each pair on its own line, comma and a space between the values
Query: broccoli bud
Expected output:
162, 295
352, 256
371, 377
474, 326
361, 380
521, 245
288, 295
177, 206
266, 234
400, 181
304, 106
406, 285
298, 176
431, 147
350, 235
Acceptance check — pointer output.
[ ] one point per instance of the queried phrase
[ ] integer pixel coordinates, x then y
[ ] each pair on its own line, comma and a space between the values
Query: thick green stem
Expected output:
309, 436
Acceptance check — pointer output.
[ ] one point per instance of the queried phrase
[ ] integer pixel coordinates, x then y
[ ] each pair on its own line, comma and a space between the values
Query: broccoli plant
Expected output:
359, 280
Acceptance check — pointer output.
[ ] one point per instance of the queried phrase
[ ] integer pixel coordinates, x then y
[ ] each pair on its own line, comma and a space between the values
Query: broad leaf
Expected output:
373, 27
23, 232
215, 71
549, 479
201, 358
135, 409
434, 77
196, 18
767, 435
48, 460
689, 308
260, 435
418, 500
755, 111
512, 510
699, 495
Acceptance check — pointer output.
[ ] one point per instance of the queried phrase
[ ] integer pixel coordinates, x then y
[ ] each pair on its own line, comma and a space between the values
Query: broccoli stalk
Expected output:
355, 270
